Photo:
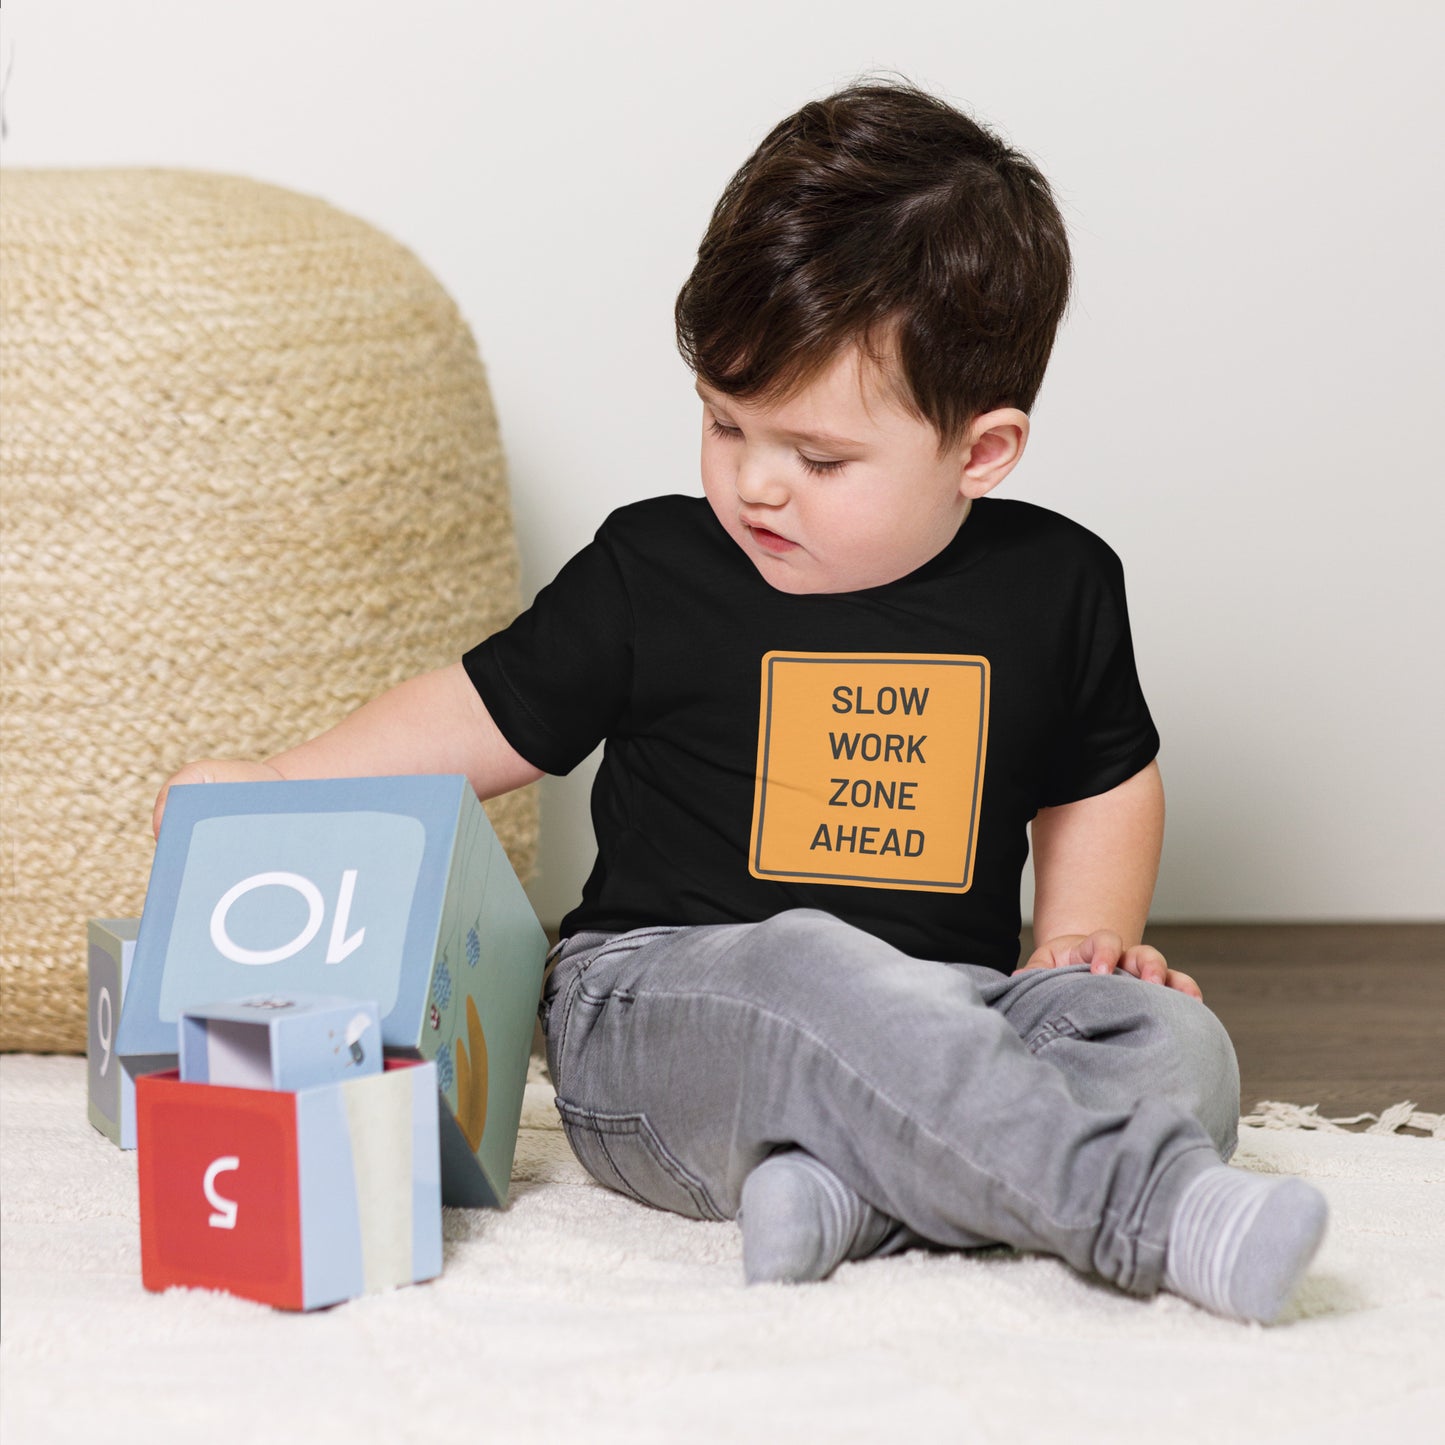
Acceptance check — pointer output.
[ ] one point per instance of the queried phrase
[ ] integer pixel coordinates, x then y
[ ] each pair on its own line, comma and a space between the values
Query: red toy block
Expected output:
297, 1199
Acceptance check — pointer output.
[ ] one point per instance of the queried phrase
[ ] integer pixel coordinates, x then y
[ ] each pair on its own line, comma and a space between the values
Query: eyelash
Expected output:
818, 468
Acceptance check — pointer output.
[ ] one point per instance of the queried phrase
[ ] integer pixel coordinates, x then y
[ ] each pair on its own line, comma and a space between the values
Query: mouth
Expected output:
769, 540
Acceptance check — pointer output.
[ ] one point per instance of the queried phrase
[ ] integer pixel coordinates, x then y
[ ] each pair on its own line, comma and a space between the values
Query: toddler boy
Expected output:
835, 692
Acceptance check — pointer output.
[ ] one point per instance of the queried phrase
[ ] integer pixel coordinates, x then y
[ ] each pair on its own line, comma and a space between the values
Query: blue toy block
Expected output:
111, 1106
279, 1042
391, 889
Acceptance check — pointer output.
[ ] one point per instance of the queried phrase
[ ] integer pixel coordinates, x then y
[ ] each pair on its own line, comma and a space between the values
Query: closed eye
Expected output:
818, 468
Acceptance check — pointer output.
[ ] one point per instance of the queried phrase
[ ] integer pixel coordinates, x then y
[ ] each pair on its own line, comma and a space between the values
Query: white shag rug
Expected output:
577, 1315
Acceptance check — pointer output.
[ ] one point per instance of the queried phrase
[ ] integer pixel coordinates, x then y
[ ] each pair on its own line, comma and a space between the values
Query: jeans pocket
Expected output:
623, 1152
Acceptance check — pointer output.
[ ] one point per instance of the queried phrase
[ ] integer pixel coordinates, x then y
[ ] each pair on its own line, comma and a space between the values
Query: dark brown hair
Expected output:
884, 217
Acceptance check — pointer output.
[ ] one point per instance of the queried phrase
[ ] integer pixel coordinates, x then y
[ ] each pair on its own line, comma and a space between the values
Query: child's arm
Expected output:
434, 723
1095, 863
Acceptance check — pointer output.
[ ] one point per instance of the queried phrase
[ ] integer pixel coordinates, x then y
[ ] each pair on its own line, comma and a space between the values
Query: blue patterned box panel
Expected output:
371, 1196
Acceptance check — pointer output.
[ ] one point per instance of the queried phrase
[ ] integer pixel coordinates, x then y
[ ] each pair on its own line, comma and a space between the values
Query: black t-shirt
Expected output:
875, 754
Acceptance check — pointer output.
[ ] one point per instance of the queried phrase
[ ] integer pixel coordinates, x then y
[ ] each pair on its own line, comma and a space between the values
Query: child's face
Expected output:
838, 488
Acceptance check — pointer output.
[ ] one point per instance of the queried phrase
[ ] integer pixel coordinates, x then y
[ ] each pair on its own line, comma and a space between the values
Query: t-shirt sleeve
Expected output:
1107, 734
557, 678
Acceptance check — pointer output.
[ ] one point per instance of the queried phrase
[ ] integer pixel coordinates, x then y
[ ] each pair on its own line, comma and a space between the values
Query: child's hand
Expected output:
213, 770
1104, 951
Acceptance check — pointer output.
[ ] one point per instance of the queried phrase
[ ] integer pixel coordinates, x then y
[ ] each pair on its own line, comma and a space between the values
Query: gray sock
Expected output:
1239, 1243
800, 1221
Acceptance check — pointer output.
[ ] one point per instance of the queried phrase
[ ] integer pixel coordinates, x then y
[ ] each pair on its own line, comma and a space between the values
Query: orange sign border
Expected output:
765, 693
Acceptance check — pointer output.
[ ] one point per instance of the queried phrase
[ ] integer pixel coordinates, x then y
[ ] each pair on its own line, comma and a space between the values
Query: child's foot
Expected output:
800, 1221
1240, 1243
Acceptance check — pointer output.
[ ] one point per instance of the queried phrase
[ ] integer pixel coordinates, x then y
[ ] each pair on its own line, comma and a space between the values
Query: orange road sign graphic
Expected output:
870, 769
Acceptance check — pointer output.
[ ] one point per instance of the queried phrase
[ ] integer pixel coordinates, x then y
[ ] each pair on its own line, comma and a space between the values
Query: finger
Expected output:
191, 773
1101, 951
1146, 964
1184, 984
1042, 957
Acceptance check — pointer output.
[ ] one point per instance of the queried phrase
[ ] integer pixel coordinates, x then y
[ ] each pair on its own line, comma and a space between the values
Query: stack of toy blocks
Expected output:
391, 889
285, 1161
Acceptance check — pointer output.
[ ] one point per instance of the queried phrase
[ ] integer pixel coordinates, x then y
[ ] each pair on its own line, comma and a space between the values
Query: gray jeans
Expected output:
1054, 1110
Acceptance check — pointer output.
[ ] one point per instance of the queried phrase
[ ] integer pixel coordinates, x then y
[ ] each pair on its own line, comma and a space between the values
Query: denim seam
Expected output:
1137, 1244
1051, 1029
622, 1186
1142, 1209
629, 942
652, 1141
570, 1122
641, 935
621, 1177
600, 1123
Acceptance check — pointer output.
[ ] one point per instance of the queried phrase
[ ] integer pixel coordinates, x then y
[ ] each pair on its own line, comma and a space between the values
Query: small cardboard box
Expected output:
392, 889
295, 1199
280, 1042
111, 1079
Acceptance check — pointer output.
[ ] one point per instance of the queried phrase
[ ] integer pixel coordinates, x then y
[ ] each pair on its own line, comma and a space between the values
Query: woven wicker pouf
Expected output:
250, 476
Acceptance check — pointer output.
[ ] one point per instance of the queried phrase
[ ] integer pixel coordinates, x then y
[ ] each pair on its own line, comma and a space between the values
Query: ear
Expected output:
991, 450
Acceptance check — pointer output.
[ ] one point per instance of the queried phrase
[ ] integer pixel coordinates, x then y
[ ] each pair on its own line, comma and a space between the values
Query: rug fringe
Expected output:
1271, 1114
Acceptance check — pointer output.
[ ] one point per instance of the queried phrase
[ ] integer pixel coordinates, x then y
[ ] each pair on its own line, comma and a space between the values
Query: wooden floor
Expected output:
1347, 1016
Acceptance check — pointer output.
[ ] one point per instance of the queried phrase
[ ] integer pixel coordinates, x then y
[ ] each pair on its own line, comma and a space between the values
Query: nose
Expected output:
758, 484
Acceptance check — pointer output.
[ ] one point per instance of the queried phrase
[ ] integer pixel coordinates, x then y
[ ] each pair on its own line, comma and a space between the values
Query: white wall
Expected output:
1243, 401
